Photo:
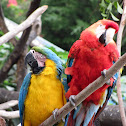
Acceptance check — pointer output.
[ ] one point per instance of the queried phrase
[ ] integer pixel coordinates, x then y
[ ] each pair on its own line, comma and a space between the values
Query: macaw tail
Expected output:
82, 116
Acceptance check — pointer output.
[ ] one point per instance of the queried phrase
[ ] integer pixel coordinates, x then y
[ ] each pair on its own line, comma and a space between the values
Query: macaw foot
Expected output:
55, 113
108, 82
103, 73
114, 77
63, 119
72, 101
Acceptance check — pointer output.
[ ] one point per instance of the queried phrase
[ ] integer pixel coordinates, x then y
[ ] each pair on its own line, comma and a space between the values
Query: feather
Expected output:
23, 94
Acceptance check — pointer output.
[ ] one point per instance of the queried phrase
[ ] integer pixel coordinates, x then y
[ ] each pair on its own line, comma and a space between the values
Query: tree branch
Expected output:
110, 116
119, 39
2, 122
3, 26
99, 82
6, 95
8, 104
9, 114
27, 23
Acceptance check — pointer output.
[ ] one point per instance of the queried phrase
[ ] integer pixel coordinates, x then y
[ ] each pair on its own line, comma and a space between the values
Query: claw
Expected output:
55, 114
104, 73
72, 100
108, 82
114, 78
63, 119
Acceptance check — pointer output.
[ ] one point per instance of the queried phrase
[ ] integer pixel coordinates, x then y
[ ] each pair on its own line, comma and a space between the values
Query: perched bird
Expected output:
93, 53
42, 91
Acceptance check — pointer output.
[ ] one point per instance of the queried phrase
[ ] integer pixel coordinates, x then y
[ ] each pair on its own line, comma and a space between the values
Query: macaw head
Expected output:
37, 56
100, 33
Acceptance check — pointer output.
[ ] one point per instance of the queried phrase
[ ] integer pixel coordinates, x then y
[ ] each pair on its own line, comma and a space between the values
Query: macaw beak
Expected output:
31, 61
102, 38
107, 36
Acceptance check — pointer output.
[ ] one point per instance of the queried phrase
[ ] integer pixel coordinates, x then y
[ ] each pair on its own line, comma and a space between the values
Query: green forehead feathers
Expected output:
40, 50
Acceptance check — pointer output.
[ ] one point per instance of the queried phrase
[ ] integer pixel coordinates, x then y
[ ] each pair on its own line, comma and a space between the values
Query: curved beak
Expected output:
102, 38
30, 60
107, 36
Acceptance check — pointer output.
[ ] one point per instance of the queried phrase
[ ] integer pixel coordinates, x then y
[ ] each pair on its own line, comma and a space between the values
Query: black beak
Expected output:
31, 61
102, 39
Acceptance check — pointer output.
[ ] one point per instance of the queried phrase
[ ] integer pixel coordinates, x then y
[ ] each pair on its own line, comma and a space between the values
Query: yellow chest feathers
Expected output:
45, 94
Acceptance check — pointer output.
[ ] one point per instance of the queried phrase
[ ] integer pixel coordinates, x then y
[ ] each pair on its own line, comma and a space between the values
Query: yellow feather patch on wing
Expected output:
46, 93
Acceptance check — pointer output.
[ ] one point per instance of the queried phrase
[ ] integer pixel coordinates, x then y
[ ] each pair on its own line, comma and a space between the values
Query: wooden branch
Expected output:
8, 104
2, 122
99, 82
35, 31
3, 26
6, 95
110, 116
119, 39
121, 27
21, 70
27, 23
9, 114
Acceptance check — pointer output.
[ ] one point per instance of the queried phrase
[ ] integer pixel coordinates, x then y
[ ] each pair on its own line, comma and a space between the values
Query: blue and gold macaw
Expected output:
42, 91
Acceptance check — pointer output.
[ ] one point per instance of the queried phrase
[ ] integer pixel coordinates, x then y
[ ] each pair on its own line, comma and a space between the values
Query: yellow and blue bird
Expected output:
41, 92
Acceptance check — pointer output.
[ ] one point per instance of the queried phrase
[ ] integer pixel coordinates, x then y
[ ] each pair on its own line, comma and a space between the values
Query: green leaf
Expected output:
102, 4
114, 17
108, 1
104, 15
109, 7
115, 4
119, 9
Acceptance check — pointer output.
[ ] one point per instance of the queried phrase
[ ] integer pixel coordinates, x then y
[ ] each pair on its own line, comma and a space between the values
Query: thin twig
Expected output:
9, 114
119, 39
99, 82
28, 22
8, 104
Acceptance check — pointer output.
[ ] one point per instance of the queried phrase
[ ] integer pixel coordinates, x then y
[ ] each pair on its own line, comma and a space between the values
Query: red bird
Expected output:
94, 52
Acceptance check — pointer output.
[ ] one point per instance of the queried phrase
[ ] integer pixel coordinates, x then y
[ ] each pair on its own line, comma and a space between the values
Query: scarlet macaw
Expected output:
94, 52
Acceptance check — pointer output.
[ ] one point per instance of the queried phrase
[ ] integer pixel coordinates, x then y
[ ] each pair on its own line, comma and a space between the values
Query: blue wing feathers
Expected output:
64, 82
91, 111
70, 63
23, 94
110, 89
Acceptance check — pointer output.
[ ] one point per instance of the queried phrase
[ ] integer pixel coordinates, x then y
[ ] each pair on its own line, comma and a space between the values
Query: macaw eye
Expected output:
32, 51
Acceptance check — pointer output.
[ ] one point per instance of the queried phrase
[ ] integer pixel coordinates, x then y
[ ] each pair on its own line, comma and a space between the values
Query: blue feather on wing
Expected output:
23, 94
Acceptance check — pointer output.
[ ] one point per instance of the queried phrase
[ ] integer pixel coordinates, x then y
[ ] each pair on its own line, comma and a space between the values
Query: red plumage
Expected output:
90, 58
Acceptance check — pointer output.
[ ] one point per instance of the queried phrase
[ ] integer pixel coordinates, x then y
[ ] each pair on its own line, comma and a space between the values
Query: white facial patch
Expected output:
39, 57
110, 32
100, 30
